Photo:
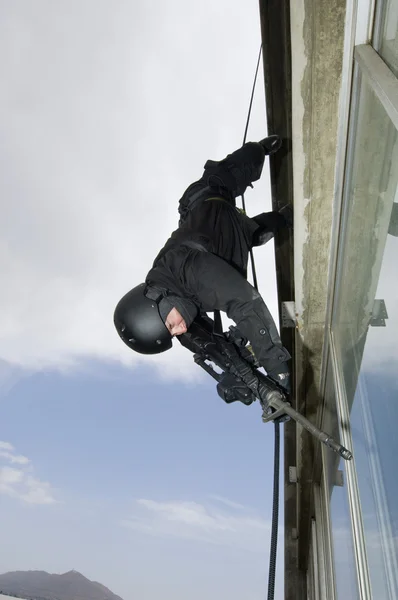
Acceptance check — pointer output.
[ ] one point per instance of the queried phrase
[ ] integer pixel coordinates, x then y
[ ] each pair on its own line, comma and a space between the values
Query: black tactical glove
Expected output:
271, 144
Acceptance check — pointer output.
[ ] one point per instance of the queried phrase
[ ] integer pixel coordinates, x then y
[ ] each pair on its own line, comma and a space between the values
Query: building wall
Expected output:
317, 30
331, 85
345, 166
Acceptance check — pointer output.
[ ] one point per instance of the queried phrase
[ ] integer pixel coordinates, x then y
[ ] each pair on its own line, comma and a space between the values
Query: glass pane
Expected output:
378, 490
365, 328
389, 34
343, 551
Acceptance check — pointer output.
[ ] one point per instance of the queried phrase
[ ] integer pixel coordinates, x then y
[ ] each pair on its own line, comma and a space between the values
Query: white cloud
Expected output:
37, 492
200, 522
20, 483
100, 136
14, 458
7, 452
9, 477
6, 446
188, 513
226, 501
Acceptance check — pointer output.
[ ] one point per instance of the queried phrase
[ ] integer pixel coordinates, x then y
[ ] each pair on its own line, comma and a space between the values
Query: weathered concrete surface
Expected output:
303, 45
317, 61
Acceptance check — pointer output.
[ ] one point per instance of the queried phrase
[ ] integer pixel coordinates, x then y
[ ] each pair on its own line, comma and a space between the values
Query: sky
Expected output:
126, 468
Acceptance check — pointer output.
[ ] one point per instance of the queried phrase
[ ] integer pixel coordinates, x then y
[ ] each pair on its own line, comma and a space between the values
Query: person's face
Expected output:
175, 323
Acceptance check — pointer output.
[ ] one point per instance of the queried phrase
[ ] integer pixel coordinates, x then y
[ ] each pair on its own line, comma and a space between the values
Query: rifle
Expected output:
240, 378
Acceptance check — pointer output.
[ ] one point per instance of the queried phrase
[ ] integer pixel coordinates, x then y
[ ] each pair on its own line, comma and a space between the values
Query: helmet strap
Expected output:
153, 294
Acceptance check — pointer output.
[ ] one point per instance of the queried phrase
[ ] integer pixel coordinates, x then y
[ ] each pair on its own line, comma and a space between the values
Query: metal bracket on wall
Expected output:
288, 314
379, 314
292, 474
339, 478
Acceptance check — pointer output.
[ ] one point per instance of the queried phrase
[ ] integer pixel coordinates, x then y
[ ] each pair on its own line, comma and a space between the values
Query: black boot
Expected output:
271, 144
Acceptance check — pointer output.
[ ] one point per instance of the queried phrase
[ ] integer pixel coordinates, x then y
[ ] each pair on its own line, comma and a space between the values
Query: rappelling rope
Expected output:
255, 283
275, 502
252, 96
275, 516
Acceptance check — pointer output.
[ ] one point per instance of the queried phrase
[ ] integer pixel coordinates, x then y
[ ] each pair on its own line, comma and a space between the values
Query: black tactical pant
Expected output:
214, 285
234, 295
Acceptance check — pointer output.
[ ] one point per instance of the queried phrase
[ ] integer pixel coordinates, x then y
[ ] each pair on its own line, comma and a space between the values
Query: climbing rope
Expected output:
253, 266
252, 95
275, 501
275, 516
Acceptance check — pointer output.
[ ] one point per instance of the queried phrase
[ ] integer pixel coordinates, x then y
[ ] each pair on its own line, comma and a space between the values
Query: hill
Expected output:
39, 585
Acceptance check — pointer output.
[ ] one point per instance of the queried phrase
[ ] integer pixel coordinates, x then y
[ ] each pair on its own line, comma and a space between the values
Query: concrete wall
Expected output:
307, 64
317, 38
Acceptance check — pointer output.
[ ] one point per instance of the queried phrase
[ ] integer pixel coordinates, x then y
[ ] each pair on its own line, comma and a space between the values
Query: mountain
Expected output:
39, 585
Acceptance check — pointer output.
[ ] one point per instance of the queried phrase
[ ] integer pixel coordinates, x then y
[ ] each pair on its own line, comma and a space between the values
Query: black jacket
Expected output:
219, 228
210, 219
205, 259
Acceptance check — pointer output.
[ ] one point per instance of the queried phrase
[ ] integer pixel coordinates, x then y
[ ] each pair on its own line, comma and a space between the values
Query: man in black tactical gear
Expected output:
203, 266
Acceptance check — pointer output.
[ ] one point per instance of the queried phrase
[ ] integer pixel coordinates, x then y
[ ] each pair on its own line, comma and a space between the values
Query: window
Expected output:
335, 485
386, 33
365, 319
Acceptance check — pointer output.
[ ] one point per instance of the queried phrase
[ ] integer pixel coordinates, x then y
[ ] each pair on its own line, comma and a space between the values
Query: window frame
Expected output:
370, 67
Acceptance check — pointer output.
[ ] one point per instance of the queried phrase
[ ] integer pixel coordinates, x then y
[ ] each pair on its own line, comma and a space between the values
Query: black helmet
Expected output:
138, 322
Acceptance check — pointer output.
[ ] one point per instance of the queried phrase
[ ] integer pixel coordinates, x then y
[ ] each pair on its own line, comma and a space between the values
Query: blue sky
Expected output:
149, 484
128, 469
